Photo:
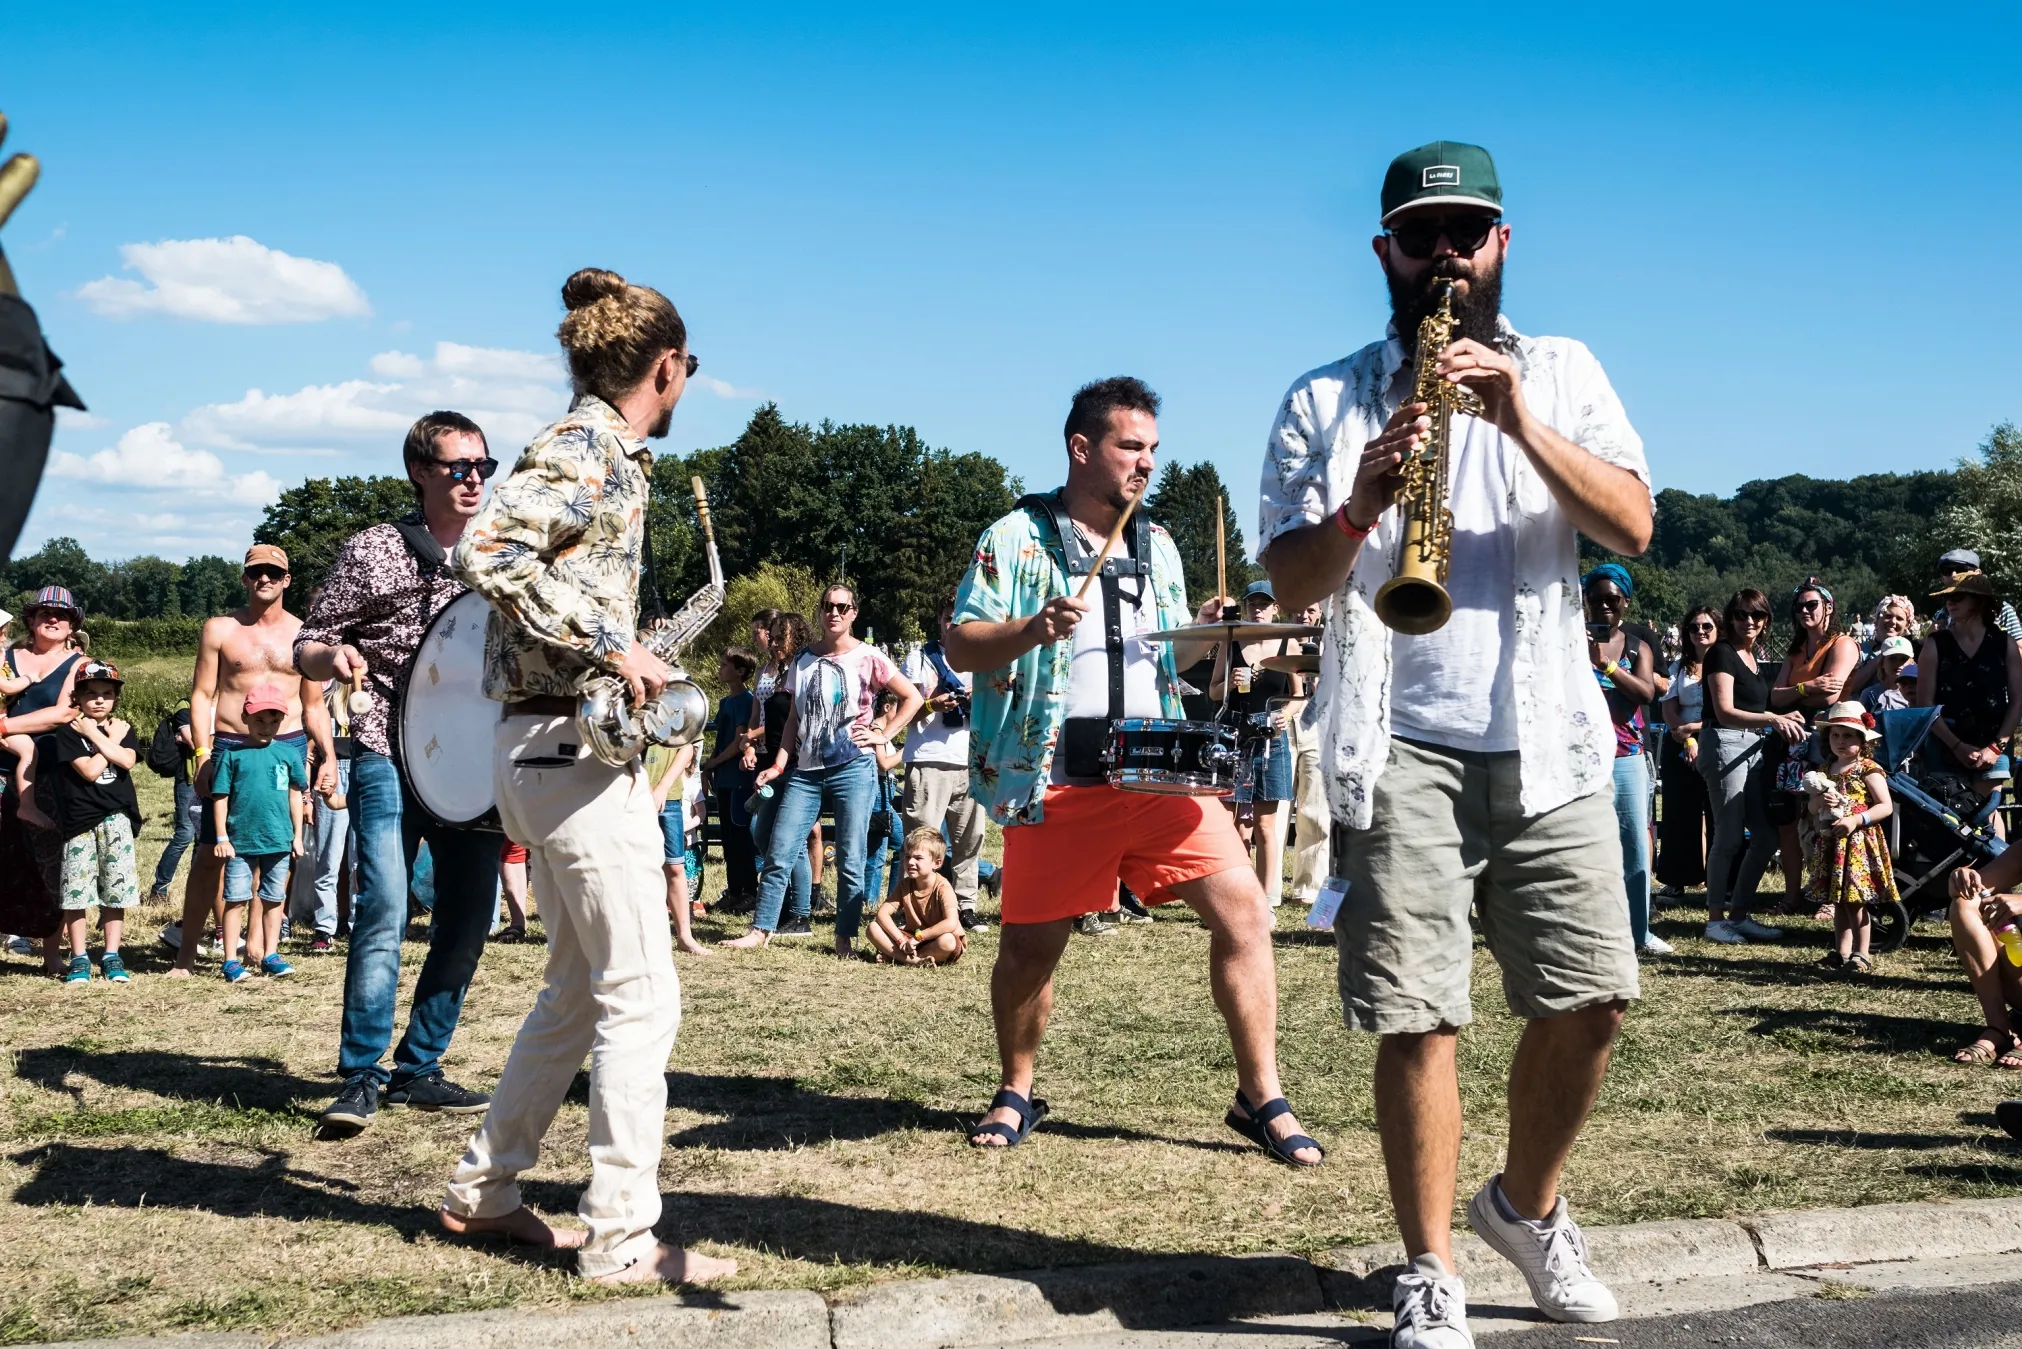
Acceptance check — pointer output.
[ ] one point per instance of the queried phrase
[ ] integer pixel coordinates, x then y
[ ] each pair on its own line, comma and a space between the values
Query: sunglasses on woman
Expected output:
1416, 239
831, 607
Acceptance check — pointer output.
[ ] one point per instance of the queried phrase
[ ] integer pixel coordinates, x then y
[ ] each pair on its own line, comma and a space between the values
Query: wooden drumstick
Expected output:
1109, 544
1221, 562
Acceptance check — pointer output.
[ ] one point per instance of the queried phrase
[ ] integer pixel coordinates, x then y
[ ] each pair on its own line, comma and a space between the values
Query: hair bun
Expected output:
590, 285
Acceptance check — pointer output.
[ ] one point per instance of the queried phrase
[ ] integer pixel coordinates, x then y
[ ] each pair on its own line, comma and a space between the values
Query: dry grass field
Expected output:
159, 1169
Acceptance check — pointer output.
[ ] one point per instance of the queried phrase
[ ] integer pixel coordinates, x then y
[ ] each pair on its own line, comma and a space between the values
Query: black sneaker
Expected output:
794, 927
353, 1110
971, 923
437, 1093
1092, 925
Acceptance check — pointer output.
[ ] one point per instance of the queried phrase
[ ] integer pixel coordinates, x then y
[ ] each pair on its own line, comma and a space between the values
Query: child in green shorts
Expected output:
84, 779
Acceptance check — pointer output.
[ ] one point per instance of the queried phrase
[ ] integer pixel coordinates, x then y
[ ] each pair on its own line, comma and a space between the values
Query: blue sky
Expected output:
1784, 230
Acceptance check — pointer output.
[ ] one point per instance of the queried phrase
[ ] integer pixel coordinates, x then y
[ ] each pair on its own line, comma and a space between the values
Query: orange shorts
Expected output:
1068, 863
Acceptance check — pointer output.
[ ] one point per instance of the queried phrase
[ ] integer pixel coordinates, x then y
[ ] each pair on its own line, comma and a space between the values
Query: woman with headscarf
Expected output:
1626, 668
1812, 678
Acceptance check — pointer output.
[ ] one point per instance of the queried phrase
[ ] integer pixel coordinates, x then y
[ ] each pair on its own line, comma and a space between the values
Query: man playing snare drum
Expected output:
1053, 671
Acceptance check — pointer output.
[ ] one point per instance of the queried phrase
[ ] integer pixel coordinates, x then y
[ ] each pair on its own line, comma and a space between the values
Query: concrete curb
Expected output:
973, 1310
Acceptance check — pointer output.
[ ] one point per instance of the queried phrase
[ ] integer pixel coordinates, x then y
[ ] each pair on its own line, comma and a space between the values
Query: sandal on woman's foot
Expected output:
510, 935
1986, 1047
1253, 1123
1029, 1114
1860, 963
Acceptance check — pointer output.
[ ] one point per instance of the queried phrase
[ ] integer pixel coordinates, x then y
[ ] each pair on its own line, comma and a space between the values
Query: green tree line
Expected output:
796, 506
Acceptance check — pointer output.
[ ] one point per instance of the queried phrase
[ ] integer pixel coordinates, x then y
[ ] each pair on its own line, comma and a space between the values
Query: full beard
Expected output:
1412, 302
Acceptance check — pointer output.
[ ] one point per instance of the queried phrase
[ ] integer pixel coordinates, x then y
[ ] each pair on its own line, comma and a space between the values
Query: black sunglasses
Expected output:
830, 607
694, 364
460, 469
265, 573
1416, 239
1806, 606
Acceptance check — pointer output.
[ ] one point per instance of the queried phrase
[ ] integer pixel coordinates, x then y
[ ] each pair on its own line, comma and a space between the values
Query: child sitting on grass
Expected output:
85, 776
1848, 866
920, 924
257, 795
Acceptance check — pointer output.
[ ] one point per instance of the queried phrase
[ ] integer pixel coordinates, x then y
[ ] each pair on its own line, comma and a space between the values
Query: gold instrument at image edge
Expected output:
1414, 600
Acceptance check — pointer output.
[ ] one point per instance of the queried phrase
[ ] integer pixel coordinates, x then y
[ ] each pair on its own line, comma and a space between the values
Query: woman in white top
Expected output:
1681, 856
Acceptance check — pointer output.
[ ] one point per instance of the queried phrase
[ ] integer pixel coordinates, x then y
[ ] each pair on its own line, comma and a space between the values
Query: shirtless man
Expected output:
252, 645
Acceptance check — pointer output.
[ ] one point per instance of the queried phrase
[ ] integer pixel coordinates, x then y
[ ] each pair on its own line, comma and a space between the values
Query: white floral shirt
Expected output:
1565, 742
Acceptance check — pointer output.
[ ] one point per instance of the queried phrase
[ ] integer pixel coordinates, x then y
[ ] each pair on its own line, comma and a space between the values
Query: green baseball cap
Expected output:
1444, 173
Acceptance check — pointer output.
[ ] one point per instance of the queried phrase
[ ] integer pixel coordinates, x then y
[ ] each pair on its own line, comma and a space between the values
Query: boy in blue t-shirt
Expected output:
256, 794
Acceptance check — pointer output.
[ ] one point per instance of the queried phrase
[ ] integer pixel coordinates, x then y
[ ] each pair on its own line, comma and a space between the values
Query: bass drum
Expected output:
447, 724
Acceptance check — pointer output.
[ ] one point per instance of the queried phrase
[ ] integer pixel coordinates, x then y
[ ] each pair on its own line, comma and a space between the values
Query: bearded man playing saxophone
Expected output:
1472, 764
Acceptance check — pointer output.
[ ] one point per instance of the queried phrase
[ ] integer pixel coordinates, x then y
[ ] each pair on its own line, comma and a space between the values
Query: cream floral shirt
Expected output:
1565, 741
556, 550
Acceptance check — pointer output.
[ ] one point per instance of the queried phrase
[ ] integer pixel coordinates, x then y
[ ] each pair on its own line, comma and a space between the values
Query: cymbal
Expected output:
1233, 632
1299, 662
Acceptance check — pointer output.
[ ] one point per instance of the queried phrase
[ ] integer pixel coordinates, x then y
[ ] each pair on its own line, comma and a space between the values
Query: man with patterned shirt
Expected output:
557, 554
1471, 765
1054, 670
388, 583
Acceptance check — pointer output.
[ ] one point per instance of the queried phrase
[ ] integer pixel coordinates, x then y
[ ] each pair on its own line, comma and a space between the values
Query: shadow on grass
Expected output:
1862, 1032
248, 1083
1874, 1142
1799, 973
762, 1113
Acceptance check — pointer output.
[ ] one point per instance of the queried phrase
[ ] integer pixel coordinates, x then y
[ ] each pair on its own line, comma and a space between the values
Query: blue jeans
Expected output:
314, 899
1632, 816
389, 829
179, 841
878, 860
850, 791
800, 873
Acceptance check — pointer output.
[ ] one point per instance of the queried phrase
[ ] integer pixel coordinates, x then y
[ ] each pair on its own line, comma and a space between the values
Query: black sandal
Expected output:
1029, 1114
510, 935
1251, 1125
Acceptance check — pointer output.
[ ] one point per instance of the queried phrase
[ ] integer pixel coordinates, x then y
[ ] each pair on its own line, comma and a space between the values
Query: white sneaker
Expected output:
1430, 1306
1654, 945
1552, 1256
1755, 931
1722, 931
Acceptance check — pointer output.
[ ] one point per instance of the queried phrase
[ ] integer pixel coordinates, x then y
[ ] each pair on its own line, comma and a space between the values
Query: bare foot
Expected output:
30, 814
178, 972
750, 941
845, 949
521, 1225
692, 947
671, 1264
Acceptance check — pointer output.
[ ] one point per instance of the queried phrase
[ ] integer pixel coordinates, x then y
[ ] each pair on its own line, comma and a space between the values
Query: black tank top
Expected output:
1973, 690
1266, 686
37, 696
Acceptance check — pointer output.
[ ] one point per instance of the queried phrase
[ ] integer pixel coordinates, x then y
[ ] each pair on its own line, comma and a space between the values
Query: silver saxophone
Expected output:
617, 732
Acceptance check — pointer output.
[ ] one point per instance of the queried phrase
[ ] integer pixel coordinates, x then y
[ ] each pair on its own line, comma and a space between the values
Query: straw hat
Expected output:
1971, 583
1851, 715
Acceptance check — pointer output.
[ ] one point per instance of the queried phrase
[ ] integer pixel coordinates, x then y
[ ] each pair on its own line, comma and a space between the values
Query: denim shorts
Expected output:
1267, 774
673, 844
273, 877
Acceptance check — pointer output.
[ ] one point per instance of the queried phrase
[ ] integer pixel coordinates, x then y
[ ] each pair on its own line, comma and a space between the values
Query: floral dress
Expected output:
1855, 869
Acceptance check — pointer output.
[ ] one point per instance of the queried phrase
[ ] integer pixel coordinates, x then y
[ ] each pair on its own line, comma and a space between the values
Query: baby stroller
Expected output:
1933, 830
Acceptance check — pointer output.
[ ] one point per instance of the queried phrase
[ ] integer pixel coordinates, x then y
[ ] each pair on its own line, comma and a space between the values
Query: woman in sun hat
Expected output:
1847, 848
1973, 670
30, 850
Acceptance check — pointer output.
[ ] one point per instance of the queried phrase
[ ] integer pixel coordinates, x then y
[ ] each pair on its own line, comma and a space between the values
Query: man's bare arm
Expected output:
204, 685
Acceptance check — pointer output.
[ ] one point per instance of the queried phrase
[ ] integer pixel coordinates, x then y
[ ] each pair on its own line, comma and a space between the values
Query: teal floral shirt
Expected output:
1017, 712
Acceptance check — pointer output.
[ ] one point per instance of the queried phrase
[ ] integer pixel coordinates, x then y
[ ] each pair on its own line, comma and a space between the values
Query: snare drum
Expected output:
1171, 758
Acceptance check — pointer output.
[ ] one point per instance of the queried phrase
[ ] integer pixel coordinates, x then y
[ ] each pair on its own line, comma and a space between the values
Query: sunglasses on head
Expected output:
1417, 239
264, 572
460, 470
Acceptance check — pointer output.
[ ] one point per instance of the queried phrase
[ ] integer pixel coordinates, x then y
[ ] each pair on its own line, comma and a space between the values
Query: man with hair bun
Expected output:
556, 551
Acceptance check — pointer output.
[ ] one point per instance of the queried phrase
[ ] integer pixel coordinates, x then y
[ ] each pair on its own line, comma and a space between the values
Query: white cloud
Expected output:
723, 388
511, 394
149, 458
235, 280
70, 419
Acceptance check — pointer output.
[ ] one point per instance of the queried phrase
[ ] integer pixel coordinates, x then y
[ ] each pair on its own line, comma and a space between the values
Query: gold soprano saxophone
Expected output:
617, 732
1414, 601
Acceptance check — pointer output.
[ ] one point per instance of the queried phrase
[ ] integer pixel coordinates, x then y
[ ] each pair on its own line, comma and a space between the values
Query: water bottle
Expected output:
758, 798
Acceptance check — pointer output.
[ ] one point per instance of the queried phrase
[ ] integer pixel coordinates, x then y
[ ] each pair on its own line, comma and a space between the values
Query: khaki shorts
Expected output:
1448, 833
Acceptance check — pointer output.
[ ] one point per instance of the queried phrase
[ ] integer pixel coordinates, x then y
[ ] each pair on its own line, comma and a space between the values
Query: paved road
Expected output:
1986, 1317
1952, 1318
